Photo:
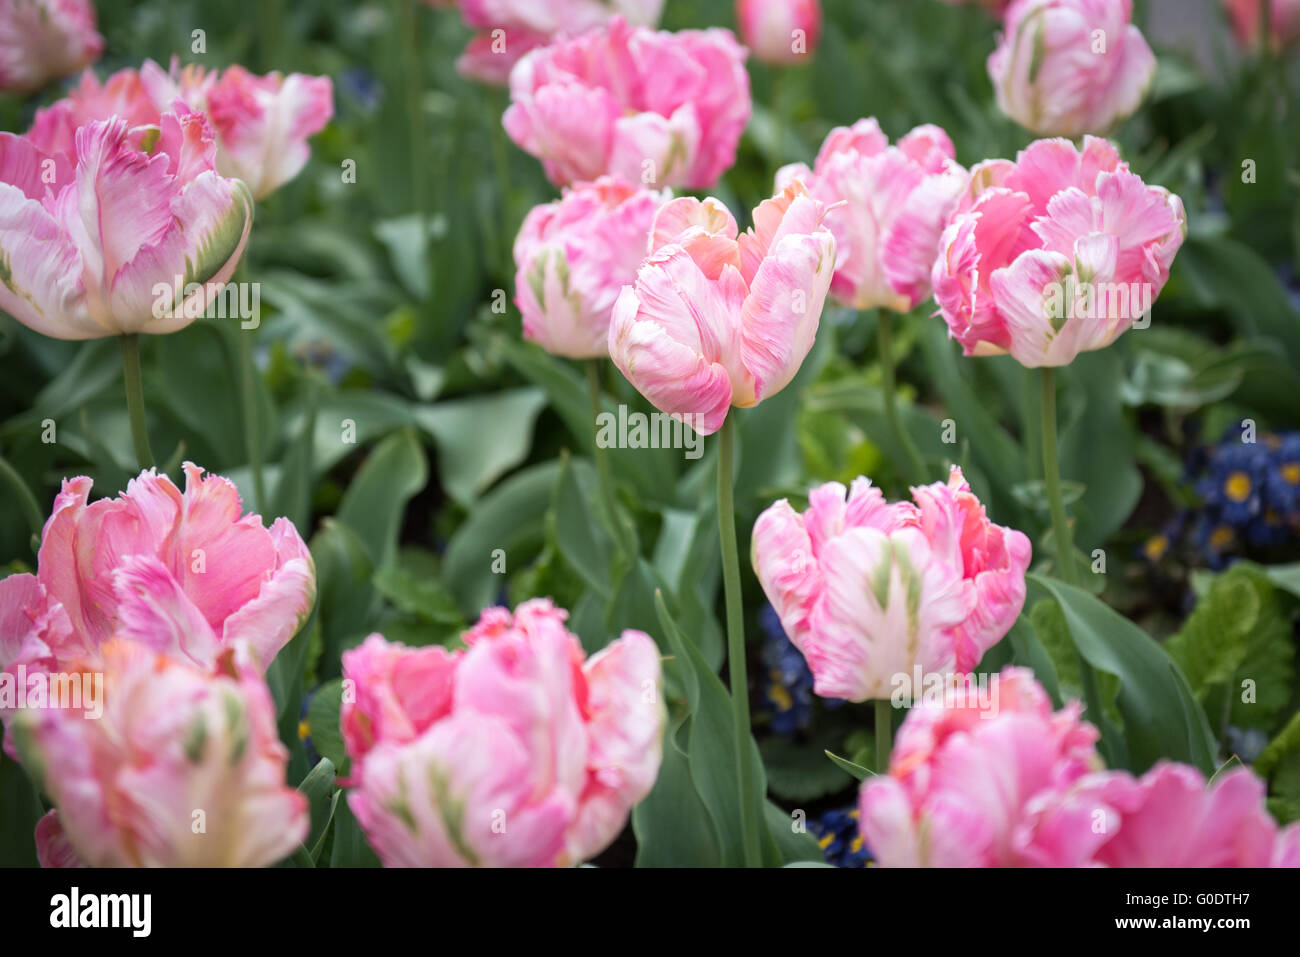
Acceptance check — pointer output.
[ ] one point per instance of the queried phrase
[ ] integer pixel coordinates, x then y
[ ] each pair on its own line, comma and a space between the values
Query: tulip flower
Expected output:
260, 124
1283, 22
184, 768
1049, 802
515, 752
1070, 67
868, 590
985, 783
43, 40
715, 320
179, 572
1170, 818
1054, 254
95, 227
574, 256
657, 108
780, 32
887, 206
507, 29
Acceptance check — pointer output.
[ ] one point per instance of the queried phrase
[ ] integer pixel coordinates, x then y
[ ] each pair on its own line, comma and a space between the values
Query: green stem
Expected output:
736, 641
884, 735
603, 475
252, 420
408, 24
135, 400
1061, 534
27, 503
916, 473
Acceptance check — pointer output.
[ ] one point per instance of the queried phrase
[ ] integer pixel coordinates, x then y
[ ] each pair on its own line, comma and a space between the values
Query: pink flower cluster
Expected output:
1283, 22
869, 591
518, 751
1019, 785
178, 605
657, 108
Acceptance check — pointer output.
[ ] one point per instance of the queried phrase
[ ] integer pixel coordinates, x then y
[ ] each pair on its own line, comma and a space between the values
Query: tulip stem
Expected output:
252, 420
135, 400
884, 331
736, 642
603, 475
884, 734
1061, 534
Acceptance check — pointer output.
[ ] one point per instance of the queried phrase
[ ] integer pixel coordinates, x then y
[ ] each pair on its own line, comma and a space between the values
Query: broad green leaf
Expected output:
376, 499
1161, 720
480, 438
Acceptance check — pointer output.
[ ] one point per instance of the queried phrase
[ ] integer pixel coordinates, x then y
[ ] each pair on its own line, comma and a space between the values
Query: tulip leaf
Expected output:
858, 771
480, 438
375, 502
1161, 718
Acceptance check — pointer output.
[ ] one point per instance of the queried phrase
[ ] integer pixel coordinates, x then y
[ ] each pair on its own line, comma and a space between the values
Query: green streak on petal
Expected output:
219, 246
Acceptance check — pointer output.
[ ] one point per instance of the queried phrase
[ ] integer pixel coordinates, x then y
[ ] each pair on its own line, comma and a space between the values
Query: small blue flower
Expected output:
787, 682
841, 842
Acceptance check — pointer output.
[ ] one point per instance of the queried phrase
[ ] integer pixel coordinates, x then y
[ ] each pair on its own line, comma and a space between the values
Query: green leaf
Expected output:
350, 848
509, 518
375, 502
22, 809
858, 771
797, 772
345, 597
318, 786
481, 438
795, 847
1279, 763
1161, 719
323, 723
413, 584
672, 825
576, 524
710, 744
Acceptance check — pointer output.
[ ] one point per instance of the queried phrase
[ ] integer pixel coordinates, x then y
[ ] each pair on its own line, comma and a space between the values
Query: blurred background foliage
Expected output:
410, 433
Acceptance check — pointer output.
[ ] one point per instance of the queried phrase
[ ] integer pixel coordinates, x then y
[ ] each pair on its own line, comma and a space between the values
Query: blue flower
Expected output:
787, 683
841, 842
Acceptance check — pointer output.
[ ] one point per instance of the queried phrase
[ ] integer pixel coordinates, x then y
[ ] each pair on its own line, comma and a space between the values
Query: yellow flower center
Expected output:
1238, 486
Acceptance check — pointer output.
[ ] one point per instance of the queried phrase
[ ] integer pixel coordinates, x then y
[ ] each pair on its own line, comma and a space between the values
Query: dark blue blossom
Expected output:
841, 842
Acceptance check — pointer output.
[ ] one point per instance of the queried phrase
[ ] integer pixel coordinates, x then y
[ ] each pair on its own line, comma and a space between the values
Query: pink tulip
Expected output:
109, 237
1283, 24
261, 124
780, 32
1069, 67
1170, 818
1055, 254
714, 320
43, 40
573, 257
183, 769
974, 786
869, 591
510, 28
515, 752
181, 573
893, 202
657, 108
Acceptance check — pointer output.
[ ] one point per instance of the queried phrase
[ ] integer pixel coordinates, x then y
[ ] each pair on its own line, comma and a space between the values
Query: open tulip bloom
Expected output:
886, 207
1056, 253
